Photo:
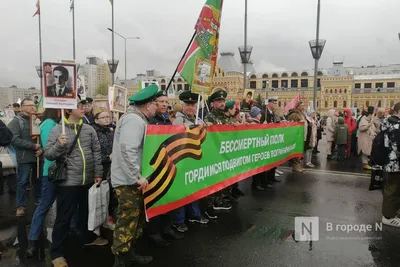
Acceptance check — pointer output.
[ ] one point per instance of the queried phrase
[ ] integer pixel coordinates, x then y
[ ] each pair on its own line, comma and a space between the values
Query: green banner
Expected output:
186, 164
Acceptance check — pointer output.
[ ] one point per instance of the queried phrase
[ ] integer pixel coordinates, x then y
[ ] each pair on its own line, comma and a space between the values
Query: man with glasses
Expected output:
126, 179
27, 151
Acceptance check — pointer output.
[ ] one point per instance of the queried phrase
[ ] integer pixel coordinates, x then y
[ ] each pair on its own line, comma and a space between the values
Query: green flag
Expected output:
198, 65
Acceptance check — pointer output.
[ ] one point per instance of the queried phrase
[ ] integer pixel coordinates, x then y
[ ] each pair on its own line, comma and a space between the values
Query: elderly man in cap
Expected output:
217, 116
270, 117
161, 117
161, 226
126, 178
187, 117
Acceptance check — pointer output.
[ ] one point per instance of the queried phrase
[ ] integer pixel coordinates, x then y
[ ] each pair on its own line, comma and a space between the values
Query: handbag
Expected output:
7, 157
58, 169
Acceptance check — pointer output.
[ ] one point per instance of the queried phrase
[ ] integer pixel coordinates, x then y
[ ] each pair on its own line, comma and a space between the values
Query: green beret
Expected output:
230, 104
189, 98
220, 94
89, 100
144, 96
161, 93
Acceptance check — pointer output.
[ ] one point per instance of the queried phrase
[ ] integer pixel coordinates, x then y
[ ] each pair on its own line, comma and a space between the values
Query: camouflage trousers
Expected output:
130, 219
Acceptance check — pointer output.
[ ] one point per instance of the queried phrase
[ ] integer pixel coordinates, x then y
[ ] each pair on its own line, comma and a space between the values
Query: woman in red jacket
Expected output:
351, 126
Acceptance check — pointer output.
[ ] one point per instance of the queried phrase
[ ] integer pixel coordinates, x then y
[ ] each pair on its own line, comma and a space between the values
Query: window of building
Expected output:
187, 87
378, 85
265, 76
162, 81
320, 73
274, 75
344, 104
163, 86
355, 104
253, 77
284, 103
304, 83
275, 84
367, 85
330, 91
304, 74
340, 91
357, 85
326, 104
294, 74
391, 103
279, 103
284, 74
284, 83
335, 104
179, 87
318, 82
326, 91
335, 91
345, 91
264, 84
179, 80
390, 84
253, 84
379, 103
367, 103
294, 83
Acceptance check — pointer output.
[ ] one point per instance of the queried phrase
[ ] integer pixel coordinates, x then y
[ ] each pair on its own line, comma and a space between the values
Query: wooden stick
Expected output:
62, 122
37, 159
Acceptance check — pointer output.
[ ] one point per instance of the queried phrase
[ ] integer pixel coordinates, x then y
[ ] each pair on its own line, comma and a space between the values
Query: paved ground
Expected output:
258, 230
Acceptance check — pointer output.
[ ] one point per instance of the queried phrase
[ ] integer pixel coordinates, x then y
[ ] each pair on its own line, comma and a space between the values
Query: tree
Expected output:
102, 89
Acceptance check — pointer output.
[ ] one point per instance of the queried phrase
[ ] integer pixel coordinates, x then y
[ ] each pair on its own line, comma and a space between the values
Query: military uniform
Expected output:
125, 175
216, 116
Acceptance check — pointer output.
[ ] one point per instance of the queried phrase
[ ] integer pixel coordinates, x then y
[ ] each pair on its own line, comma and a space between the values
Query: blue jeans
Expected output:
45, 203
192, 209
23, 174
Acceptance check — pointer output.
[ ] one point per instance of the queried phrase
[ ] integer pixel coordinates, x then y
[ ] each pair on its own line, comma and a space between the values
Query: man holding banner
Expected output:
126, 178
217, 116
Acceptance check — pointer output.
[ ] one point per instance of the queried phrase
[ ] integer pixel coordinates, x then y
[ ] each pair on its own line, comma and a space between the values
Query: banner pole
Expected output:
202, 109
37, 159
62, 121
197, 110
183, 56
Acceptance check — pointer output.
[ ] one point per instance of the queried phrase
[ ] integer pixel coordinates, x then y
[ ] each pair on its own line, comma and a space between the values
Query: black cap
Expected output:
189, 98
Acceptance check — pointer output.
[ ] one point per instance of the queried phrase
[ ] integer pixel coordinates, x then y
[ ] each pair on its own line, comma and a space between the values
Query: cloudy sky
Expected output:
363, 32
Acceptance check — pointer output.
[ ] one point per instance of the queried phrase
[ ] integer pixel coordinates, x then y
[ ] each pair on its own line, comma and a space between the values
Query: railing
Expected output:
375, 90
285, 89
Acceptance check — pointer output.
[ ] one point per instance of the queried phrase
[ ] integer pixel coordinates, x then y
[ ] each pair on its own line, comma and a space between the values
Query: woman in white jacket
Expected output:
329, 132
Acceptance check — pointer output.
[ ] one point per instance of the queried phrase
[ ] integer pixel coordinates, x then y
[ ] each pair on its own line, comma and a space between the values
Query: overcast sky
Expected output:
363, 32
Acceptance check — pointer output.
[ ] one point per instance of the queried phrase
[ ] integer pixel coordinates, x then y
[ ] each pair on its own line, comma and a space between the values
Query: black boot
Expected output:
31, 251
136, 258
158, 240
123, 260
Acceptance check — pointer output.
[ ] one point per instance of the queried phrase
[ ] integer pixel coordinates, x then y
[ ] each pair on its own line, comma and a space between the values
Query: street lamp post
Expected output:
125, 38
245, 51
113, 65
316, 46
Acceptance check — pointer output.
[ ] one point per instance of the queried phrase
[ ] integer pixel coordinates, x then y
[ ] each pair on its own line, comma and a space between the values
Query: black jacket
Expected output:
5, 135
160, 120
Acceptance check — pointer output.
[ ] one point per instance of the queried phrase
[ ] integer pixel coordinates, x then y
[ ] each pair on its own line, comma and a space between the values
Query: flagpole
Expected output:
73, 29
40, 53
183, 56
112, 27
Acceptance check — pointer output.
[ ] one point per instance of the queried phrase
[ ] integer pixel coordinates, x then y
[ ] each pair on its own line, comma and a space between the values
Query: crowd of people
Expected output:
95, 150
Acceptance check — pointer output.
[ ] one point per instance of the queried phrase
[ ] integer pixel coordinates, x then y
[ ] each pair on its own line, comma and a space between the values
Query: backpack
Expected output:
379, 153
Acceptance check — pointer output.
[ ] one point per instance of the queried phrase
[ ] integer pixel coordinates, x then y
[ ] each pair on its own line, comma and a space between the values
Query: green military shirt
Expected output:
218, 117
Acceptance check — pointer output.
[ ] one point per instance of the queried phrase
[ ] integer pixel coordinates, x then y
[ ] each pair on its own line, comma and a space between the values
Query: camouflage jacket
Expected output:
218, 117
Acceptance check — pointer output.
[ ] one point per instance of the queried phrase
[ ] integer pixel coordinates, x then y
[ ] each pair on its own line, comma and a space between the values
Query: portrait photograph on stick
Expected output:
35, 121
248, 96
59, 85
119, 101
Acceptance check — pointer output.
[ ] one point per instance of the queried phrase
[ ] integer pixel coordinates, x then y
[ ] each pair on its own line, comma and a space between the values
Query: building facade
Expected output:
96, 73
10, 95
338, 87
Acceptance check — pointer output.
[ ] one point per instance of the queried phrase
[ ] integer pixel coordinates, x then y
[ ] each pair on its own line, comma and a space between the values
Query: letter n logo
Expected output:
306, 228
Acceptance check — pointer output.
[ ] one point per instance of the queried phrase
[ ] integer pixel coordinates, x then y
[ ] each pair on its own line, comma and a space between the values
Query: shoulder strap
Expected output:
75, 140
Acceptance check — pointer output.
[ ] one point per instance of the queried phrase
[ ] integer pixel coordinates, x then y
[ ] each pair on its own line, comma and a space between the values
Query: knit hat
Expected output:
255, 111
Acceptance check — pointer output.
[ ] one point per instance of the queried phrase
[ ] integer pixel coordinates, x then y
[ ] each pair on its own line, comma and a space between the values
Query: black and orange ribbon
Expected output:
171, 151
